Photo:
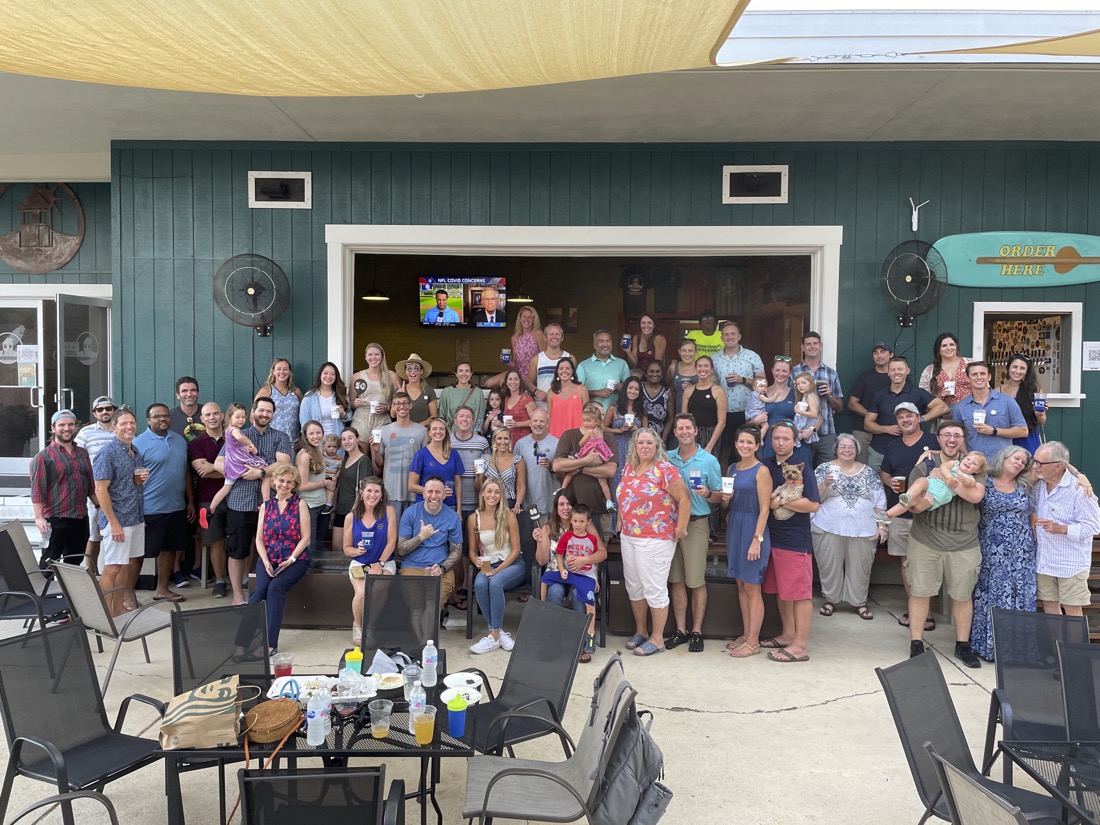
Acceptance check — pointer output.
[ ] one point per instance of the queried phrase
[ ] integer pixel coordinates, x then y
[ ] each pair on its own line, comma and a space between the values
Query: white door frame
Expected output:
820, 243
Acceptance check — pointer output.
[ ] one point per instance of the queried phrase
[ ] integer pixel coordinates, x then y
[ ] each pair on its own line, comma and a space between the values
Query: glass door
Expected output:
24, 376
84, 350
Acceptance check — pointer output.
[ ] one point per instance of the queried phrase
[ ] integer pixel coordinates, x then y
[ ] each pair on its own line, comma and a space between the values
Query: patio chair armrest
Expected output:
62, 798
531, 772
505, 718
61, 773
393, 812
156, 704
34, 598
133, 614
484, 679
999, 711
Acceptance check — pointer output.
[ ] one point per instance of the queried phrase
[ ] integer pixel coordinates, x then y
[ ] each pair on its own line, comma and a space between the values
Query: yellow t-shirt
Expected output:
705, 344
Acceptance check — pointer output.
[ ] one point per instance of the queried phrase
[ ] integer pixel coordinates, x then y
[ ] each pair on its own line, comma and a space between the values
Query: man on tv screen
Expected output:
489, 314
441, 313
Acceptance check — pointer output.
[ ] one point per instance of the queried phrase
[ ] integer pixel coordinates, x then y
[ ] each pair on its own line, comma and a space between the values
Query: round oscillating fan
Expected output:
252, 291
914, 277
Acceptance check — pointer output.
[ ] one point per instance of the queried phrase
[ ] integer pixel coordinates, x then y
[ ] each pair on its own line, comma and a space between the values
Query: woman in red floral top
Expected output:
654, 508
282, 543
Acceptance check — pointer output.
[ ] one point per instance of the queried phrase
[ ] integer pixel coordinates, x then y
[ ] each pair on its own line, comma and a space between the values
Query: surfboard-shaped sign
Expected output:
1015, 259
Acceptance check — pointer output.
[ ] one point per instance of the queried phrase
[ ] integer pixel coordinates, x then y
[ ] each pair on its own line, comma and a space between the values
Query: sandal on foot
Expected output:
588, 649
903, 620
744, 650
864, 613
695, 645
524, 598
457, 602
740, 640
786, 657
675, 640
634, 641
357, 636
929, 625
772, 644
647, 648
827, 609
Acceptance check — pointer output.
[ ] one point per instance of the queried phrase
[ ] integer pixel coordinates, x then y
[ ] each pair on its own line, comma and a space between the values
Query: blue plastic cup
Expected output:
456, 722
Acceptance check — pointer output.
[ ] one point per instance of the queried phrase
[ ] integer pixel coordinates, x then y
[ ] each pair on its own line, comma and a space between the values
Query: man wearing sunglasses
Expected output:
1067, 519
92, 437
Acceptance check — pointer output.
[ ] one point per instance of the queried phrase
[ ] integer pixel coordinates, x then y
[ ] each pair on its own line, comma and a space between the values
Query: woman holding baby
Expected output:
767, 406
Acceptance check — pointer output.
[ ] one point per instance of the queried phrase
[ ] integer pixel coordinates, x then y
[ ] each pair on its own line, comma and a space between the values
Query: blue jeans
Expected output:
274, 590
556, 593
489, 591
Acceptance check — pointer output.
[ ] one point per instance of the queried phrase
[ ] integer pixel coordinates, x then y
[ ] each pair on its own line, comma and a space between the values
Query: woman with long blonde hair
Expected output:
493, 534
371, 392
279, 387
528, 340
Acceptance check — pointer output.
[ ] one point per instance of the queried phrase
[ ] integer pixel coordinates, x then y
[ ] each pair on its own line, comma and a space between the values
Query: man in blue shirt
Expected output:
169, 504
429, 541
703, 476
881, 421
603, 374
991, 418
441, 313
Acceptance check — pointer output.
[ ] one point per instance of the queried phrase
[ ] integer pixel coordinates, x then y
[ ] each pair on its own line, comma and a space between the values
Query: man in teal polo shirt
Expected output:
703, 476
603, 374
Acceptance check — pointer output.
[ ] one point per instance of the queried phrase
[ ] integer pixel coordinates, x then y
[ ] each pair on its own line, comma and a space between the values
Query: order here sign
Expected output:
1020, 259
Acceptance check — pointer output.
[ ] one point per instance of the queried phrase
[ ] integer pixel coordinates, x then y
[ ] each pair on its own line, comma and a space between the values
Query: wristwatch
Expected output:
759, 538
994, 431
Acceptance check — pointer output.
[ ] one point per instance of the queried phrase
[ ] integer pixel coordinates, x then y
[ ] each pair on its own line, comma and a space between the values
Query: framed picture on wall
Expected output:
566, 316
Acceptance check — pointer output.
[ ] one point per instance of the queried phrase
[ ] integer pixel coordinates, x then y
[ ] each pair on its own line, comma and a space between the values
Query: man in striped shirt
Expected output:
543, 366
61, 486
1066, 520
92, 437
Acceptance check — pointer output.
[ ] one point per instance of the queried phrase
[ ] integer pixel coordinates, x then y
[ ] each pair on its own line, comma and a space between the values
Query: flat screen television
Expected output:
458, 301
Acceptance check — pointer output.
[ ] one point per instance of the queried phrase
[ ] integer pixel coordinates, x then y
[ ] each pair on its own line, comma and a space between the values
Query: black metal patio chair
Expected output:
400, 614
968, 801
537, 683
38, 574
1027, 701
923, 711
54, 720
333, 796
218, 641
1080, 667
65, 800
565, 791
18, 599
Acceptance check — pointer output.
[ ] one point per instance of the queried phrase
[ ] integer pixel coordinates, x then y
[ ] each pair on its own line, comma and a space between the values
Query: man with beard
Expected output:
61, 486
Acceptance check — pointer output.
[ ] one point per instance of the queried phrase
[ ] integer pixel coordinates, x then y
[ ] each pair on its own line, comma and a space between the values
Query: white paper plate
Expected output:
472, 696
462, 679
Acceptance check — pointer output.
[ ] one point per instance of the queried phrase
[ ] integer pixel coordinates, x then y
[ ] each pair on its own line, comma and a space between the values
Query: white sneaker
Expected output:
486, 645
506, 640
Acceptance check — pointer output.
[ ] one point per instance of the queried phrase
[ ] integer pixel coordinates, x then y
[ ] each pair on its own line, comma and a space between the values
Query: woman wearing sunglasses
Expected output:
773, 404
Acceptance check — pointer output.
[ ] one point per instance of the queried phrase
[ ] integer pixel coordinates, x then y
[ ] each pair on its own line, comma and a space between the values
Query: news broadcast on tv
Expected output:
452, 302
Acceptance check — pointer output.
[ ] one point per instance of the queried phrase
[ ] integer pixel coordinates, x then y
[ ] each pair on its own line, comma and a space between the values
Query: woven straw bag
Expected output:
272, 720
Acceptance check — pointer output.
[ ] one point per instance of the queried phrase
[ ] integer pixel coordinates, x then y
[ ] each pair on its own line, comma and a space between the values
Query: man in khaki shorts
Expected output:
944, 549
1066, 521
703, 476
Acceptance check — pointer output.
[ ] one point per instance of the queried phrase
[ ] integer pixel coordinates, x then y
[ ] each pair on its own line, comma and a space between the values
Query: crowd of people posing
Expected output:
535, 470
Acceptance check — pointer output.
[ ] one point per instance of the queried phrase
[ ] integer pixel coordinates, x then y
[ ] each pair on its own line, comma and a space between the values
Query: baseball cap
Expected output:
908, 406
103, 401
57, 416
882, 345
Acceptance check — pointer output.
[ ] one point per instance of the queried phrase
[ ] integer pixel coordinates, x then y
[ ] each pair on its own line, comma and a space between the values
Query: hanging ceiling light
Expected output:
520, 297
374, 293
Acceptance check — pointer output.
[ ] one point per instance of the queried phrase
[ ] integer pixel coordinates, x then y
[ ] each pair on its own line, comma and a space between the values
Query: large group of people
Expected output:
539, 468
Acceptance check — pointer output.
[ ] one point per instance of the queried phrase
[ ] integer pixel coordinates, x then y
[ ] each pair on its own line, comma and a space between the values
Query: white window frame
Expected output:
255, 204
1071, 350
729, 171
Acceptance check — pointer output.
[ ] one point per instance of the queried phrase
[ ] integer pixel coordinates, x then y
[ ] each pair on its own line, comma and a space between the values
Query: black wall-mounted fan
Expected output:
914, 277
252, 291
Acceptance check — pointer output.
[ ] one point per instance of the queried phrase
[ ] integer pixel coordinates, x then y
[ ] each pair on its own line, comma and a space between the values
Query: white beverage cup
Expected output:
949, 387
727, 484
376, 436
509, 421
479, 466
335, 413
374, 407
979, 416
628, 420
611, 384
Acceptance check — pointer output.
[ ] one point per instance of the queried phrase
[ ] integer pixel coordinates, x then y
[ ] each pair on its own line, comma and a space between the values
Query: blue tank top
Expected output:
371, 540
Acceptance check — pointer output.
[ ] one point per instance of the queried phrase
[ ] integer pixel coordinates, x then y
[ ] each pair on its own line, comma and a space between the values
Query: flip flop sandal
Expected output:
357, 636
827, 609
171, 597
929, 624
736, 643
786, 657
647, 648
903, 620
864, 613
635, 640
772, 644
696, 643
744, 651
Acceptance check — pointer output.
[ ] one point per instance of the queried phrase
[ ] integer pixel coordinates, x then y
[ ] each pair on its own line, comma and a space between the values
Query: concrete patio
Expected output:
749, 741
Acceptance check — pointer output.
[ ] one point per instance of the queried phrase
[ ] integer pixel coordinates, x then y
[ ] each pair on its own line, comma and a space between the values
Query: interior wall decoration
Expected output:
1039, 338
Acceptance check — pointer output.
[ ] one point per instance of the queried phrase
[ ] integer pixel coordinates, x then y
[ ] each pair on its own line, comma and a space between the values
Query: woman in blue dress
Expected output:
1022, 385
1007, 575
614, 422
776, 403
748, 546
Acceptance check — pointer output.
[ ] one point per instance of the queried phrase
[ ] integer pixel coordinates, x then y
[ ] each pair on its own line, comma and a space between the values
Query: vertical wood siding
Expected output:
181, 209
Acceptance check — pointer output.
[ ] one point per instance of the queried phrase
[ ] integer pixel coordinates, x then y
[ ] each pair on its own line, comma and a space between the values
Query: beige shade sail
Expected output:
1082, 44
321, 48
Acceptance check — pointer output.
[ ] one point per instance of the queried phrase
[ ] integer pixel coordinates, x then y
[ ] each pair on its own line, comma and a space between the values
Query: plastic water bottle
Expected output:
417, 700
315, 724
326, 698
429, 662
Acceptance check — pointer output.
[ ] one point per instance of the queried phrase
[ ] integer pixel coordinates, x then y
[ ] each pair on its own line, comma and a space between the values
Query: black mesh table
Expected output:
350, 737
1068, 771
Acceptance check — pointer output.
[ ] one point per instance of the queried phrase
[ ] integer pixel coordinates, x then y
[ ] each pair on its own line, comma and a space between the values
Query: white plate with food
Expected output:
471, 695
389, 681
462, 679
301, 687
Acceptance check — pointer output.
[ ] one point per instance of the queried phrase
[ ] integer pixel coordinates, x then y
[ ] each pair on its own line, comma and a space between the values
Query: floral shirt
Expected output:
282, 531
647, 510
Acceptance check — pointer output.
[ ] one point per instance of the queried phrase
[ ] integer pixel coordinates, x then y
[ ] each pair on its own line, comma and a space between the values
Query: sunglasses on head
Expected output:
785, 358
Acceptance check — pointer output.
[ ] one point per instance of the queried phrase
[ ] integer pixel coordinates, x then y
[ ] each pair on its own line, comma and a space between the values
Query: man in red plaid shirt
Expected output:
61, 485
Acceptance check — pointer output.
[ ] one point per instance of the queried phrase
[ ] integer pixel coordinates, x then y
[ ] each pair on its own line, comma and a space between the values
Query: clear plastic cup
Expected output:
347, 698
411, 674
380, 712
283, 664
424, 725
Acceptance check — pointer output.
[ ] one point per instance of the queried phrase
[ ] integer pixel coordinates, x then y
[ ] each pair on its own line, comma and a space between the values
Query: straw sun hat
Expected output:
399, 368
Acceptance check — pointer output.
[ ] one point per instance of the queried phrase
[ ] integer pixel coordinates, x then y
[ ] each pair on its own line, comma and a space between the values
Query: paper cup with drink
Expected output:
727, 484
979, 416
